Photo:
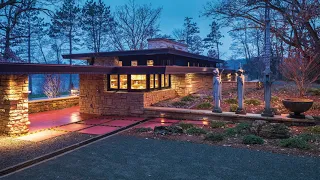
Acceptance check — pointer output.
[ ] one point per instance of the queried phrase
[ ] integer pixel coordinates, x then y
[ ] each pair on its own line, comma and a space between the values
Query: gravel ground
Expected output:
14, 151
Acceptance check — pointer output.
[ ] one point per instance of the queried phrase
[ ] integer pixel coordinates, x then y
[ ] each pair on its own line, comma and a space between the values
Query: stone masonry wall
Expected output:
94, 99
185, 84
52, 104
153, 97
14, 104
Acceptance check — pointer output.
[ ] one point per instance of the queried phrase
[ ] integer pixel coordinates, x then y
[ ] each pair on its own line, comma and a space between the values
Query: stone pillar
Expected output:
14, 104
216, 91
240, 92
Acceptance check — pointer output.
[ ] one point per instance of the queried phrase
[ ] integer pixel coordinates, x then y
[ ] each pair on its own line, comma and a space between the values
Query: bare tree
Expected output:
51, 87
134, 24
302, 68
297, 21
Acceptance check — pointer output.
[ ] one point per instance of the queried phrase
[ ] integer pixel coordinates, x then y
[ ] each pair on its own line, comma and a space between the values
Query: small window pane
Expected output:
123, 82
156, 79
138, 81
150, 63
134, 63
151, 81
114, 81
119, 63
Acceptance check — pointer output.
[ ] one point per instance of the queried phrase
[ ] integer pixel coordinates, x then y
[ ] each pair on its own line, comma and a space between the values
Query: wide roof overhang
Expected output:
144, 52
19, 68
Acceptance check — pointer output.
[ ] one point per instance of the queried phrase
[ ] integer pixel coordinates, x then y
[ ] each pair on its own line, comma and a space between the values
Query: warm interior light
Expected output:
162, 114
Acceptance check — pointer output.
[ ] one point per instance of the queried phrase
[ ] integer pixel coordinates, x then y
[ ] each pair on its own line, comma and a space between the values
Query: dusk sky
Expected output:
173, 14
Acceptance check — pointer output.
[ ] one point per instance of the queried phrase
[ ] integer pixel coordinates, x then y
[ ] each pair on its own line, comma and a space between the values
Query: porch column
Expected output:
14, 104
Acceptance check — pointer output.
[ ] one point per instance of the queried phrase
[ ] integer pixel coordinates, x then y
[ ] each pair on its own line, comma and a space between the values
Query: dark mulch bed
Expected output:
14, 151
270, 145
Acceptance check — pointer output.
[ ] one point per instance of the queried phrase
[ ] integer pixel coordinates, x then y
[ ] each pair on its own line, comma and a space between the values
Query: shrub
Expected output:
186, 126
275, 131
294, 143
233, 107
315, 106
196, 131
275, 99
307, 137
217, 124
314, 129
252, 139
179, 103
231, 101
142, 129
188, 98
255, 102
314, 91
242, 128
230, 132
209, 98
205, 105
214, 137
168, 130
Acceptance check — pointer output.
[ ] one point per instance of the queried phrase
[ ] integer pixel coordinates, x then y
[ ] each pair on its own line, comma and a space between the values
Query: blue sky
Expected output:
173, 14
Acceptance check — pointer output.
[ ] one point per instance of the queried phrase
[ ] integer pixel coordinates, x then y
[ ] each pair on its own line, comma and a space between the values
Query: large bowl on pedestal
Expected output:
297, 106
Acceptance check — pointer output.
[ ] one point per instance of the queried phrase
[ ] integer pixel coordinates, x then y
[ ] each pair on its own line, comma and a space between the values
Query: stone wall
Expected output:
153, 97
185, 84
227, 85
95, 99
52, 104
14, 104
106, 61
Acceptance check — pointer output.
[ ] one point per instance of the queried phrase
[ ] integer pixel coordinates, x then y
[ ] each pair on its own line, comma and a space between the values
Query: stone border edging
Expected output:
176, 112
7, 171
52, 99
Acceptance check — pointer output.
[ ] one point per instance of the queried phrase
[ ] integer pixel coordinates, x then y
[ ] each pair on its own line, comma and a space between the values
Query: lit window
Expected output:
119, 63
162, 80
138, 81
156, 80
114, 81
151, 81
188, 64
149, 62
123, 82
134, 63
167, 80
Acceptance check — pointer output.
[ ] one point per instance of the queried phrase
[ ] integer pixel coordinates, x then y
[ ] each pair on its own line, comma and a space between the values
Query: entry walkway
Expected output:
49, 124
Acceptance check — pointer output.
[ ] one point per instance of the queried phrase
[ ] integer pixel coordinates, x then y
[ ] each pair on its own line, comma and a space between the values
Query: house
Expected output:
112, 83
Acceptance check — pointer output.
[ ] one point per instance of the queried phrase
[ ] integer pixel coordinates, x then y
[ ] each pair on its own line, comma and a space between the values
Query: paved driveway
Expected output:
122, 157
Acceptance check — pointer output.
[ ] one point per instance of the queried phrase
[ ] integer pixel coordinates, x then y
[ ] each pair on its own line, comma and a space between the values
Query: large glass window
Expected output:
114, 81
166, 80
156, 80
162, 80
124, 81
152, 81
138, 81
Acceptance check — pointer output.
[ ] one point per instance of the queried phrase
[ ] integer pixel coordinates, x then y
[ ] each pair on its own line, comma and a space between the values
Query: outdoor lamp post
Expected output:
216, 91
267, 112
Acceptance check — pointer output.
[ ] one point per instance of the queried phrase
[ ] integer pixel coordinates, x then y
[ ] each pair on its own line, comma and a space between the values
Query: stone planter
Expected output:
297, 106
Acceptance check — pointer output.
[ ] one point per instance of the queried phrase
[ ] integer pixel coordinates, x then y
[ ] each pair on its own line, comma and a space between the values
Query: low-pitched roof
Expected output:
147, 52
